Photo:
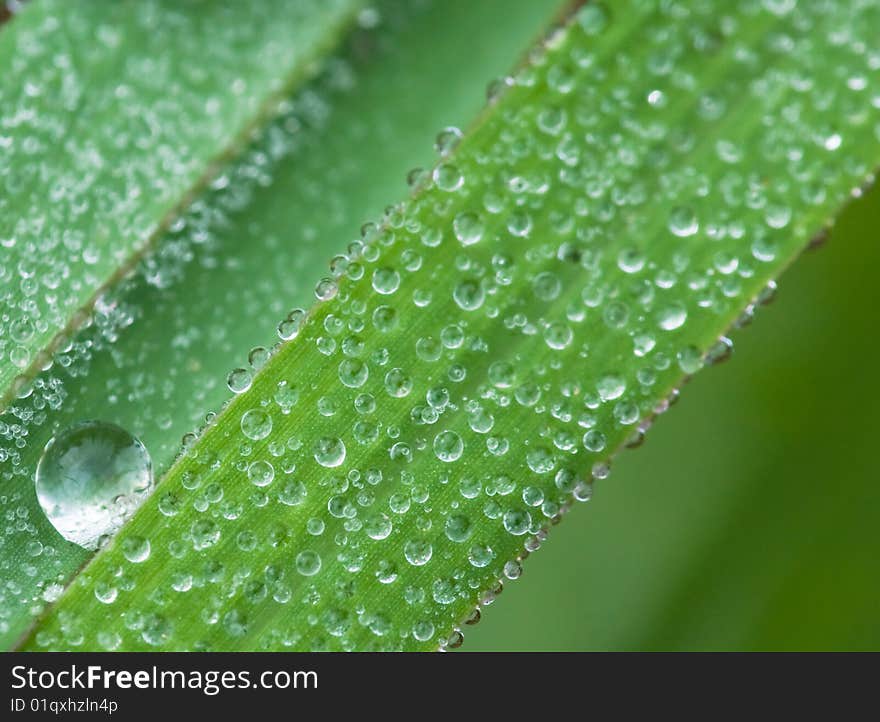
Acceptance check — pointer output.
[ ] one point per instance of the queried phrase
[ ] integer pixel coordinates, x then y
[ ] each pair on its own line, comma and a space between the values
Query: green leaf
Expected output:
155, 357
113, 115
486, 347
751, 512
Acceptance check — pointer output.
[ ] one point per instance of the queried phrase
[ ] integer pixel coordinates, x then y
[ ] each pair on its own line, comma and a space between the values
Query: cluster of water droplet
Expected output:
479, 353
65, 225
173, 313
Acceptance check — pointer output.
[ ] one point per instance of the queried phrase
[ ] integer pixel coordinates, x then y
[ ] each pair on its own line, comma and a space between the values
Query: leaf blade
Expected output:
92, 84
157, 352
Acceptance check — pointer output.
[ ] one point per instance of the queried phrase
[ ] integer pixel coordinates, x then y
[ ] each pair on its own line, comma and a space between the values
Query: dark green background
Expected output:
750, 517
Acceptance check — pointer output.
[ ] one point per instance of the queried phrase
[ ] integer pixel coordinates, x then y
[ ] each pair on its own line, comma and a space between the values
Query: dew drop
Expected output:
329, 451
205, 533
397, 383
468, 228
683, 221
256, 424
690, 359
832, 142
308, 563
90, 479
547, 286
469, 295
136, 549
423, 631
261, 473
325, 289
239, 380
447, 140
593, 18
448, 177
385, 280
480, 555
558, 336
378, 526
540, 460
448, 446
517, 521
458, 528
258, 357
291, 325
353, 372
519, 224
630, 260
418, 552
594, 440
672, 317
610, 386
106, 593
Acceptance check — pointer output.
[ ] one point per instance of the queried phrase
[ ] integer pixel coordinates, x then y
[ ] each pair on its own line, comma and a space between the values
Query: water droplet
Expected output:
106, 593
547, 286
261, 473
592, 17
610, 386
378, 526
458, 528
329, 451
308, 563
292, 493
672, 316
397, 383
631, 260
468, 228
256, 424
517, 521
448, 446
258, 357
690, 359
833, 141
683, 221
90, 479
290, 326
448, 177
447, 140
205, 533
353, 372
136, 549
594, 440
239, 380
519, 224
480, 555
558, 336
385, 280
469, 295
325, 289
418, 552
423, 631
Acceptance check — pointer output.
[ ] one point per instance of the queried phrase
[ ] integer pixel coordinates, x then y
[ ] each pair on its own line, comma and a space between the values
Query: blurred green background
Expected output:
750, 518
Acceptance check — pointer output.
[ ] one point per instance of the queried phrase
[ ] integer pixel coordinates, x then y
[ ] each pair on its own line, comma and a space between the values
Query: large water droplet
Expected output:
90, 480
